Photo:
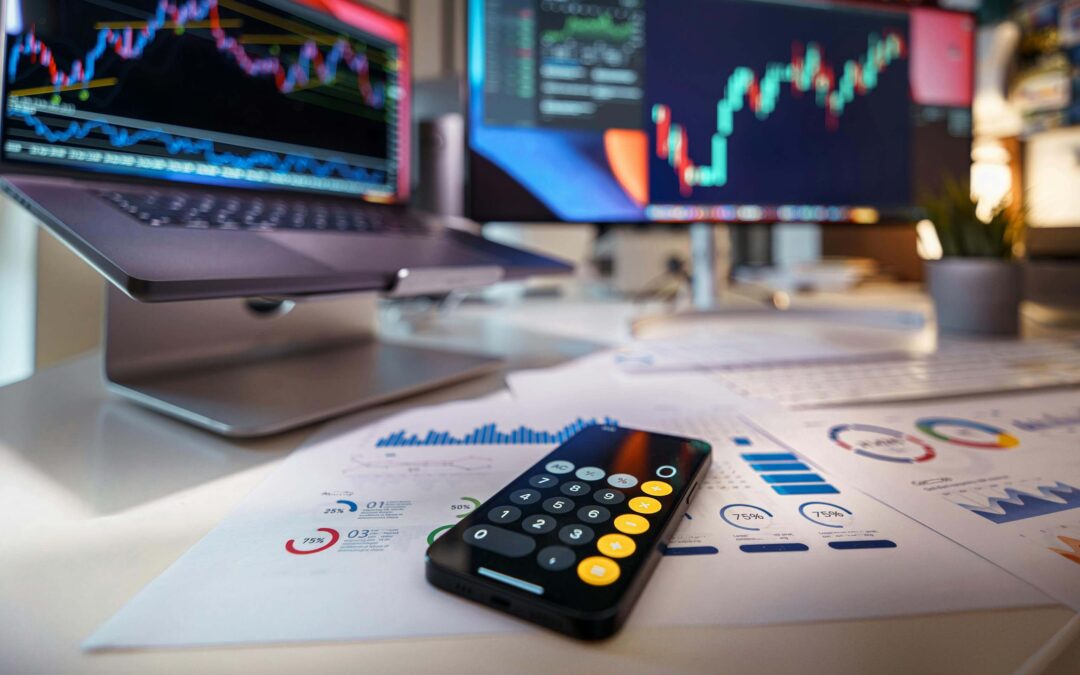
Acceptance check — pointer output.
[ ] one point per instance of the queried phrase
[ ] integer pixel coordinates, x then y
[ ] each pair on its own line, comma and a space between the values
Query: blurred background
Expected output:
1022, 123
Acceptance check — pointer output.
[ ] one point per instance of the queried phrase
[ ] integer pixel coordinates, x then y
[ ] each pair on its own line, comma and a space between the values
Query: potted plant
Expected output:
976, 285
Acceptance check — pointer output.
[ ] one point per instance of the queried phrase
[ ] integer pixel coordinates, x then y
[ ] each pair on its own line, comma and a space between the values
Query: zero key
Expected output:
498, 540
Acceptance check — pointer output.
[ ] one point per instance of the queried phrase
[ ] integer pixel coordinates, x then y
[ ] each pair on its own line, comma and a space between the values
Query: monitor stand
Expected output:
247, 368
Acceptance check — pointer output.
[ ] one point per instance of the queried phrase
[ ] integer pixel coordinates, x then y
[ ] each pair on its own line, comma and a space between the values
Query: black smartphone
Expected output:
570, 543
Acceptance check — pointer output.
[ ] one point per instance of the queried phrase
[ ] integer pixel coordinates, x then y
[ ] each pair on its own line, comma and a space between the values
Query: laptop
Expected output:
194, 149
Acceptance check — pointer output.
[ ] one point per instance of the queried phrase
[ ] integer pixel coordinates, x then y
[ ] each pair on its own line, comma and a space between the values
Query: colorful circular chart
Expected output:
881, 443
313, 544
827, 514
746, 517
968, 433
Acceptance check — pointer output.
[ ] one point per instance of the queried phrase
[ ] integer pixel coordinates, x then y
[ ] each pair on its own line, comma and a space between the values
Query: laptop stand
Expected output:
250, 368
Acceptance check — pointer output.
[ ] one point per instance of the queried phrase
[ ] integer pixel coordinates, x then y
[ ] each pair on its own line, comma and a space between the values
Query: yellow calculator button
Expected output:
598, 571
616, 545
644, 505
628, 523
656, 488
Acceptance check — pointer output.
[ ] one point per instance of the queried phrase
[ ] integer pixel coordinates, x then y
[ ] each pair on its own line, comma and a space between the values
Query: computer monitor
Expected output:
615, 111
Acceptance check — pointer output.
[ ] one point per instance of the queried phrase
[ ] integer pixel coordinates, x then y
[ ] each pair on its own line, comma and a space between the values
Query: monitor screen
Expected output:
255, 93
713, 110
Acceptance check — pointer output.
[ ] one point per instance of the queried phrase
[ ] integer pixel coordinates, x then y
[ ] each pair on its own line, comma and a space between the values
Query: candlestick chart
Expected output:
791, 107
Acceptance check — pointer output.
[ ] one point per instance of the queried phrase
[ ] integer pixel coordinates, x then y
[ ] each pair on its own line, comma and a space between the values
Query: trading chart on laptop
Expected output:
219, 91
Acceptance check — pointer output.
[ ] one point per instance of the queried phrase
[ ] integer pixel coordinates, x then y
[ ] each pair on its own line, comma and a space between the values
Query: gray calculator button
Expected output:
559, 466
538, 524
543, 480
575, 488
593, 514
576, 535
555, 558
609, 497
498, 540
525, 497
621, 480
589, 473
504, 514
559, 505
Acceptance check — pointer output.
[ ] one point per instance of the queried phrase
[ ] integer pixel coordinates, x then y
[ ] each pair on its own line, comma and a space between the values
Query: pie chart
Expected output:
968, 433
881, 443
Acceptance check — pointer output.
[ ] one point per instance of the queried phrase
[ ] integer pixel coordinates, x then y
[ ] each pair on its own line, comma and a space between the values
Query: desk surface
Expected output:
98, 497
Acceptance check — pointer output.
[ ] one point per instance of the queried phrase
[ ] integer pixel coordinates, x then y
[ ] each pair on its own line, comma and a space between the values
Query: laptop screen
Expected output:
254, 93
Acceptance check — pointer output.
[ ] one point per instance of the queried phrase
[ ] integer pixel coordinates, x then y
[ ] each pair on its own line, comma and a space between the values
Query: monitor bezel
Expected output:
903, 215
313, 8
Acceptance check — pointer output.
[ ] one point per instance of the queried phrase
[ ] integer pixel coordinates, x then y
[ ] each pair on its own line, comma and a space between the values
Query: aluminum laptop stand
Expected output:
250, 368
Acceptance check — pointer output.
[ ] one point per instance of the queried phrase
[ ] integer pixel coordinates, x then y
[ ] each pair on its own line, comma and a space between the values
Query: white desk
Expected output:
98, 497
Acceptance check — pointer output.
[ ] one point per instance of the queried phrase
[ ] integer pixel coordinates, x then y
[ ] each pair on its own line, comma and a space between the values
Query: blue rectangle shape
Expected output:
792, 478
773, 548
870, 543
690, 550
741, 440
770, 457
780, 466
817, 489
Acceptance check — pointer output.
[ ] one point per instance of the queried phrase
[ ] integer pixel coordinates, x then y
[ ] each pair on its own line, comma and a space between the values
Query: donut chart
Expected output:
326, 542
968, 433
881, 443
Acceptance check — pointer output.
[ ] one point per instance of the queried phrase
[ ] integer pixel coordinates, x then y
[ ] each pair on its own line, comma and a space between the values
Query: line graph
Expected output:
807, 73
602, 27
121, 137
1012, 504
490, 434
129, 42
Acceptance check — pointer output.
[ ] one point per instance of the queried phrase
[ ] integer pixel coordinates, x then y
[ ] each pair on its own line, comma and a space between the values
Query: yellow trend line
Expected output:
92, 84
284, 24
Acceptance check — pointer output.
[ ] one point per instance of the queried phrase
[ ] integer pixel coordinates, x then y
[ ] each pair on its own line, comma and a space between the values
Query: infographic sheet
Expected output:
1000, 476
331, 545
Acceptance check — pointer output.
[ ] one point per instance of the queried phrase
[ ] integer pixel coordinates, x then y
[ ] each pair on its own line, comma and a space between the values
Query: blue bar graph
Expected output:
489, 434
774, 478
773, 548
869, 543
814, 489
770, 457
690, 550
780, 466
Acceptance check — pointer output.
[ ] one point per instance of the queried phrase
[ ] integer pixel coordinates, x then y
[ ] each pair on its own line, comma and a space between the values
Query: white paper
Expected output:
759, 344
240, 584
1000, 476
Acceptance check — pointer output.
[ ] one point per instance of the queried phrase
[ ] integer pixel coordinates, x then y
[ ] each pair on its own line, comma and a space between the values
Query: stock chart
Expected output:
791, 107
591, 62
221, 90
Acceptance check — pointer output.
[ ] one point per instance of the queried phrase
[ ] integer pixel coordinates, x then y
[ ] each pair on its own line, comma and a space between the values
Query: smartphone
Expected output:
570, 543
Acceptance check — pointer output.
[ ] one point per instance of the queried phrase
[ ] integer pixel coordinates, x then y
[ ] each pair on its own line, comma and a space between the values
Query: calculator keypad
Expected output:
595, 555
568, 542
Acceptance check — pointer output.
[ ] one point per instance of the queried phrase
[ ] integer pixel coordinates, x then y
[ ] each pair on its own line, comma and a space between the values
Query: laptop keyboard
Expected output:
241, 212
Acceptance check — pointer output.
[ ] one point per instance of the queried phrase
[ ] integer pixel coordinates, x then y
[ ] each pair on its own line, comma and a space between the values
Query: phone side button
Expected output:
693, 491
498, 540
